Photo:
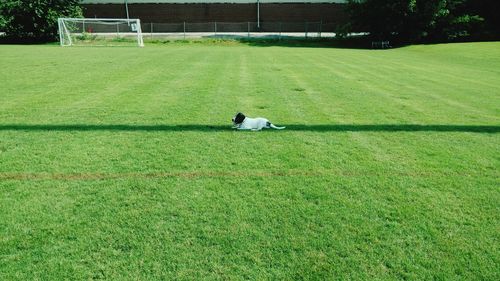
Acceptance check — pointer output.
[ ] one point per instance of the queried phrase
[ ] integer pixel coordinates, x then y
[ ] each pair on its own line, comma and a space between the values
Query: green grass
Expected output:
120, 163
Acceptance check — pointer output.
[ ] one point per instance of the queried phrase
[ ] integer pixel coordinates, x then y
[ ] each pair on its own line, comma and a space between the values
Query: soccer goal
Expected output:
100, 32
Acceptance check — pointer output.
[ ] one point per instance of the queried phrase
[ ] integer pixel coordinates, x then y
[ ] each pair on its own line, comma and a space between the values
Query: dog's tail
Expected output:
271, 125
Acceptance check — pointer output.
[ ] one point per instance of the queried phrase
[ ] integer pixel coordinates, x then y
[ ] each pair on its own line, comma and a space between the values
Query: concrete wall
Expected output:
331, 13
205, 1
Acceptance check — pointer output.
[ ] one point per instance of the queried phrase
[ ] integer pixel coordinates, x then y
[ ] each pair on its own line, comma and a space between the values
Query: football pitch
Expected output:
121, 163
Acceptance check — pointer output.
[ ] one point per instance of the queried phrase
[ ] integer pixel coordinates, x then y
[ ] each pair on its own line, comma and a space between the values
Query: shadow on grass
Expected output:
351, 42
276, 41
290, 127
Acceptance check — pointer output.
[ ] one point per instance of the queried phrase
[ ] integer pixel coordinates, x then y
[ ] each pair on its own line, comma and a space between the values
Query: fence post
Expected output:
281, 27
184, 24
151, 31
215, 28
320, 28
248, 29
258, 15
306, 29
118, 30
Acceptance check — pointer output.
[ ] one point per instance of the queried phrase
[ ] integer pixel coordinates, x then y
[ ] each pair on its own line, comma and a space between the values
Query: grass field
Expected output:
120, 163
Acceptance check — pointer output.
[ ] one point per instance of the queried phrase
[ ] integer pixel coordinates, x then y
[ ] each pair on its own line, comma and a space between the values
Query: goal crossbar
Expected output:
111, 20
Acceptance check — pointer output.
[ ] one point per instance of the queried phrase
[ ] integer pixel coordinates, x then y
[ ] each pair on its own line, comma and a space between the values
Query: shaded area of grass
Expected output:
290, 127
359, 42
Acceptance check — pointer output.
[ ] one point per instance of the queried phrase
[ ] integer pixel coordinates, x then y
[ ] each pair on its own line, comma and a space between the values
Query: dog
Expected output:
241, 122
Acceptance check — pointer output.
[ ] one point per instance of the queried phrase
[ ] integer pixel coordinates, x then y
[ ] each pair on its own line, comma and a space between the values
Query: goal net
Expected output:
100, 32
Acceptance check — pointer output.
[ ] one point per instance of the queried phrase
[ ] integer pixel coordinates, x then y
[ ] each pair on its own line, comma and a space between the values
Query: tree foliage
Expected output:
489, 10
415, 20
35, 20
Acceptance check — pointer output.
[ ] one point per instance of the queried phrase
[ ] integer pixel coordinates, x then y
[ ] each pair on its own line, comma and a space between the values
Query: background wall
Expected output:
222, 12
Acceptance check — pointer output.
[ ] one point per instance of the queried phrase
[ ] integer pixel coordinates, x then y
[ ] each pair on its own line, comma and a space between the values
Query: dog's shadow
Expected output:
228, 128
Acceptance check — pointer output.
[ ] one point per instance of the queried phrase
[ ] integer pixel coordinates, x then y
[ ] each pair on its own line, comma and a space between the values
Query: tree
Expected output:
487, 9
28, 20
413, 20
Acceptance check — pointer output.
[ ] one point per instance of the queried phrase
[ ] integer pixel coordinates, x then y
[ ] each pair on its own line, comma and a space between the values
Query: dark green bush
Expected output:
35, 21
415, 21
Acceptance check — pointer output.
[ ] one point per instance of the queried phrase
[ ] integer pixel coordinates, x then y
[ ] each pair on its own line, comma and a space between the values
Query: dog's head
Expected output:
238, 118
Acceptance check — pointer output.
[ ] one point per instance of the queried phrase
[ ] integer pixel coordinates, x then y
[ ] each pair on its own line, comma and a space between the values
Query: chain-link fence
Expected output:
238, 29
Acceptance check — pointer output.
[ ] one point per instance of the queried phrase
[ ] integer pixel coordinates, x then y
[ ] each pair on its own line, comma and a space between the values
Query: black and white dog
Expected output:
241, 122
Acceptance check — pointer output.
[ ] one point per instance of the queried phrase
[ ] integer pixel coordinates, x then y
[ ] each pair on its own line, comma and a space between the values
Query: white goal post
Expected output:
100, 32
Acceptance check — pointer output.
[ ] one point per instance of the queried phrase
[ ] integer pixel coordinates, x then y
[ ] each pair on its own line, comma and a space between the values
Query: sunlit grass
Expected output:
120, 163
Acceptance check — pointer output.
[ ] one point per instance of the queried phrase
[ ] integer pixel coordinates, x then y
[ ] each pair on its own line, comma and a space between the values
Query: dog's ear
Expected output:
239, 118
